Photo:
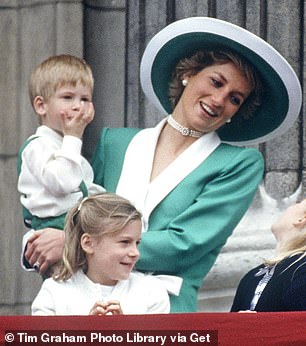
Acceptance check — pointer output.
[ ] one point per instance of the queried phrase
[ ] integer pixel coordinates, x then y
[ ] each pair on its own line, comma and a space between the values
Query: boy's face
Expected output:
65, 102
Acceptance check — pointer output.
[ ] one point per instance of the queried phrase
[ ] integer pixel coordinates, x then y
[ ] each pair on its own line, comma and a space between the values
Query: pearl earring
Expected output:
184, 82
228, 120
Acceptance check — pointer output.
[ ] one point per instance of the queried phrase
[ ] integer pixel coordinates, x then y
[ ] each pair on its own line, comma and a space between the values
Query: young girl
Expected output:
279, 284
102, 234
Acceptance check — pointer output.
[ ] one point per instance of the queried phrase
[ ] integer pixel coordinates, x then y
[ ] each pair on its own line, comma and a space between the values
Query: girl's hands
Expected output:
74, 125
111, 307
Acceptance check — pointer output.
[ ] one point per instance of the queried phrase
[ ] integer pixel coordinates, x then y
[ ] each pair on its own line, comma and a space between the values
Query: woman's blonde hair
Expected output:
96, 215
202, 59
57, 71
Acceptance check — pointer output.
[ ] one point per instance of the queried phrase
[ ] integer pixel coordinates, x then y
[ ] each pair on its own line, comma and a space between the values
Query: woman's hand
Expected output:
45, 248
111, 307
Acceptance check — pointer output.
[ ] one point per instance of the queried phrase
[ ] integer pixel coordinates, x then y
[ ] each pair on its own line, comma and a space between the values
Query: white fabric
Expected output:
268, 273
137, 167
171, 283
51, 172
140, 294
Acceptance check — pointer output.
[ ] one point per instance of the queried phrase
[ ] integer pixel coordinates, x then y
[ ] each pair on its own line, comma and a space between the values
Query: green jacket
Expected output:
189, 227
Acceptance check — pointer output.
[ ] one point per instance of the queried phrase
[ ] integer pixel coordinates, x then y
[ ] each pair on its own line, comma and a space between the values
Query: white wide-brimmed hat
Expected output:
282, 98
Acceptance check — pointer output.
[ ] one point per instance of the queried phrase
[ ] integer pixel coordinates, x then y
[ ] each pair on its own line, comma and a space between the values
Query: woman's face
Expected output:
285, 225
212, 97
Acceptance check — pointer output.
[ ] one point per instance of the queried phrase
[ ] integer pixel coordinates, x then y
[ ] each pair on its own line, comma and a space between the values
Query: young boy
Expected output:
53, 175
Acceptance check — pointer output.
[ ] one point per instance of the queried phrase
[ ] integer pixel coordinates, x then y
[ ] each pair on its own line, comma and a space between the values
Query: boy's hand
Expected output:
74, 125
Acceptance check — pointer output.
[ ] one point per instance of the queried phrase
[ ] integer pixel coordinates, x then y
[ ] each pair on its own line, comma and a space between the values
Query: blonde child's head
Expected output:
97, 216
56, 72
290, 232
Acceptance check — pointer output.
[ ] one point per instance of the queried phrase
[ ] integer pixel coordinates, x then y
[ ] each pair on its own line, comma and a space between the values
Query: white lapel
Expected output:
137, 166
134, 183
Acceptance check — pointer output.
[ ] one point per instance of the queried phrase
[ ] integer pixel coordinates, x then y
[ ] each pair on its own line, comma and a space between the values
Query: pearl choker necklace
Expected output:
185, 131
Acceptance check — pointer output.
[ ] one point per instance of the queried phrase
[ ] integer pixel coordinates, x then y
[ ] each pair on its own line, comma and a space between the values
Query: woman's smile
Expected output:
208, 110
211, 97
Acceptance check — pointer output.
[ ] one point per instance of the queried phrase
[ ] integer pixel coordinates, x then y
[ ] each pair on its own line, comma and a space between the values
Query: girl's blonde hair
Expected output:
96, 215
57, 71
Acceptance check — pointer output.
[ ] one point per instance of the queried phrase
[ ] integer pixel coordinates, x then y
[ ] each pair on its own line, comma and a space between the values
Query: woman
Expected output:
191, 188
279, 284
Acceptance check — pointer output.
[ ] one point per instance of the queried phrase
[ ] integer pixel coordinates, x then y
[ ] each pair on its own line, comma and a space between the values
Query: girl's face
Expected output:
112, 257
66, 100
212, 97
288, 221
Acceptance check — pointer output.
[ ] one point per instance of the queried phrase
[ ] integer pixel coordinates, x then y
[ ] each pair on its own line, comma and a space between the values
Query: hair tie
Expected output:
82, 202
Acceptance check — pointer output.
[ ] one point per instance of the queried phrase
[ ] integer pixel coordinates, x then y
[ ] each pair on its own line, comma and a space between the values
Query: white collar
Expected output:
46, 131
134, 183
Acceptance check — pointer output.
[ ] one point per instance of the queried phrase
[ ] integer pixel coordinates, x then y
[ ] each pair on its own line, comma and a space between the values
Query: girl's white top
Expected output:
140, 294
